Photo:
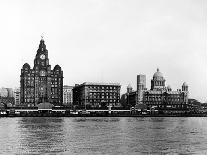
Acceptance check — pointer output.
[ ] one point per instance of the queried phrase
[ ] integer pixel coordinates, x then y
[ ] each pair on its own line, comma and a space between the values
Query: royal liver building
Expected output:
41, 83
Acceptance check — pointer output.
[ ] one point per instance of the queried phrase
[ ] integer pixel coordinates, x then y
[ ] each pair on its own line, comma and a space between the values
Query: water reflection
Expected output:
41, 135
96, 119
103, 135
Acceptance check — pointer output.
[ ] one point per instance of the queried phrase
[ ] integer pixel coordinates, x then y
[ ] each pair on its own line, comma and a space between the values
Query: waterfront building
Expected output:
129, 89
6, 96
96, 95
123, 101
41, 83
17, 96
67, 95
164, 98
131, 96
141, 82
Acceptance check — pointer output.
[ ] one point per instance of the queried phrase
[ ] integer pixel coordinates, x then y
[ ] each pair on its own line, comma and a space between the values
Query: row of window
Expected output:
161, 103
101, 100
171, 106
163, 99
107, 97
102, 87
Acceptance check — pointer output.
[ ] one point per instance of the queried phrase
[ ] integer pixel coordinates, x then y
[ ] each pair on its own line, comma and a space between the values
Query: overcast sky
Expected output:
108, 40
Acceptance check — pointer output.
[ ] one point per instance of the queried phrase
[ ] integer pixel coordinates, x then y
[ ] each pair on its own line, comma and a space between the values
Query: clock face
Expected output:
42, 56
42, 73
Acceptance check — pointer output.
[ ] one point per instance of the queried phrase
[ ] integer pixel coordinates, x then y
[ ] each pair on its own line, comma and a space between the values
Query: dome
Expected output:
129, 86
168, 87
185, 84
158, 74
57, 67
26, 65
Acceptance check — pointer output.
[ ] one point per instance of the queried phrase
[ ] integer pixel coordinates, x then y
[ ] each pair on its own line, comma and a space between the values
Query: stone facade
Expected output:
17, 96
97, 95
67, 95
141, 87
163, 98
41, 83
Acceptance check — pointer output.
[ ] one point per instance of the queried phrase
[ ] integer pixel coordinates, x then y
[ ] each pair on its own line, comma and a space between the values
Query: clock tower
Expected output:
41, 83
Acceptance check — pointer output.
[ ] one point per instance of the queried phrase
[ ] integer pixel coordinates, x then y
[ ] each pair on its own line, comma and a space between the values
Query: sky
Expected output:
108, 40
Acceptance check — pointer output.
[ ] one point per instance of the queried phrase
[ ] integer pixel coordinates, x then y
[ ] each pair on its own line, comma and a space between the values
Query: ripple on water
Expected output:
103, 135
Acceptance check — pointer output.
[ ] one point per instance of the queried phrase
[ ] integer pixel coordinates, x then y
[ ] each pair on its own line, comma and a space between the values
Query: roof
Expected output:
66, 87
129, 86
96, 83
185, 84
158, 74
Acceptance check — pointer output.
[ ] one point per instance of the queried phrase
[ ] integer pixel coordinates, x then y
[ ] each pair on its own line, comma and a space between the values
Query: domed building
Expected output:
158, 81
129, 88
41, 83
164, 98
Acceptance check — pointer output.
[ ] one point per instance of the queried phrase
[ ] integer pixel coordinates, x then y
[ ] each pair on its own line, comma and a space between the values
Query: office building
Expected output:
40, 83
96, 95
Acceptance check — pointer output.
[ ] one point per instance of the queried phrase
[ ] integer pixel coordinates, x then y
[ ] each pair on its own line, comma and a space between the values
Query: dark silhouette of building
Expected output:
96, 95
131, 96
41, 83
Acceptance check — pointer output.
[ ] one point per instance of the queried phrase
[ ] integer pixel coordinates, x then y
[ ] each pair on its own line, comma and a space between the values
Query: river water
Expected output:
103, 135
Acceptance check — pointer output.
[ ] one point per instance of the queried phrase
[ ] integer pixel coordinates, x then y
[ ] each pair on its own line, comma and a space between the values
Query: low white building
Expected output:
67, 95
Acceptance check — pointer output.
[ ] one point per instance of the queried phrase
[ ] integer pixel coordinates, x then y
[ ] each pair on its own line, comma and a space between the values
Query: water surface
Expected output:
103, 135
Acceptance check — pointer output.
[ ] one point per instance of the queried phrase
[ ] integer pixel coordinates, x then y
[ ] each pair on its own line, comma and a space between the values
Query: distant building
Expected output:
131, 96
67, 95
6, 92
129, 89
17, 96
141, 82
10, 92
41, 83
141, 87
96, 95
163, 98
6, 96
123, 101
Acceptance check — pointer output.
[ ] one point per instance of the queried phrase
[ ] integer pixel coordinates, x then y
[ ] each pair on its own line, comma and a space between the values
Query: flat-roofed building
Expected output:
96, 95
67, 95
